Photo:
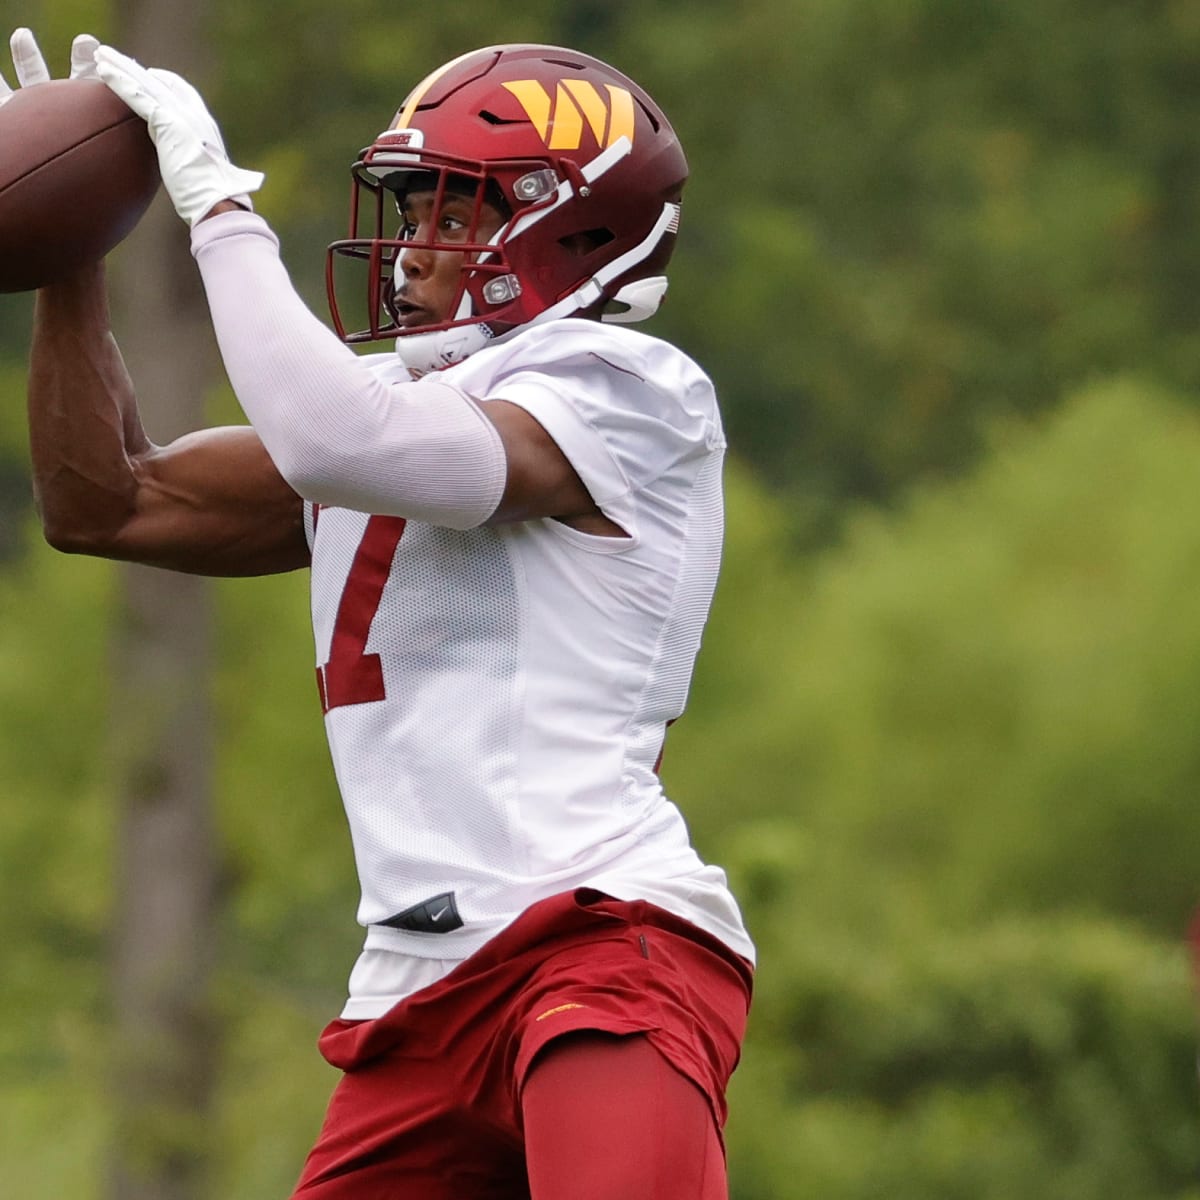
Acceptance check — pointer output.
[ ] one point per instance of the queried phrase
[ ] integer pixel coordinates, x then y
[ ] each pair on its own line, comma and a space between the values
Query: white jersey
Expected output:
497, 698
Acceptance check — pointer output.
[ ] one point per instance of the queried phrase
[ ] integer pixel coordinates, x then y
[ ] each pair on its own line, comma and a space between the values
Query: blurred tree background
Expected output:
943, 260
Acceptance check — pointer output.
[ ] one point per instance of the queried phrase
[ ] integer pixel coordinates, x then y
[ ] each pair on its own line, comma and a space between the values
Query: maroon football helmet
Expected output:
583, 165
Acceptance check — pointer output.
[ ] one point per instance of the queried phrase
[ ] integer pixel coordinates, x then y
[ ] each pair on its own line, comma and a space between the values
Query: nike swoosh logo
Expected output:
441, 912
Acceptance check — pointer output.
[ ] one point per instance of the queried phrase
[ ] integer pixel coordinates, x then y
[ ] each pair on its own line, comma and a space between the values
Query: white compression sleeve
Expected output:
338, 434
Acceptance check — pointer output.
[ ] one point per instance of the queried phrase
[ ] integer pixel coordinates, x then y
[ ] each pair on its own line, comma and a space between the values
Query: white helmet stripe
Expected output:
590, 292
592, 171
668, 222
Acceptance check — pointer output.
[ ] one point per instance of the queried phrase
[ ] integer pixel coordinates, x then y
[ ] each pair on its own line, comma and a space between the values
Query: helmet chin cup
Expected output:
636, 301
422, 353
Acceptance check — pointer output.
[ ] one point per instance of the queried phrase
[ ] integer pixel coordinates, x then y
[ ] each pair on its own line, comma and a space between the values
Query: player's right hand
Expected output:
192, 159
30, 64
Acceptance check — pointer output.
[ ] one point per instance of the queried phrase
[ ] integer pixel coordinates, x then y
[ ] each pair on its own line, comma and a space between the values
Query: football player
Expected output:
513, 518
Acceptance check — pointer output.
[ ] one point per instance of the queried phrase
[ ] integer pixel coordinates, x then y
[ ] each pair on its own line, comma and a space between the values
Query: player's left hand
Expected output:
30, 64
192, 160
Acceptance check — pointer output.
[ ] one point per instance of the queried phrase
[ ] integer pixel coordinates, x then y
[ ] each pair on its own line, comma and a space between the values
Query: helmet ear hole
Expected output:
586, 241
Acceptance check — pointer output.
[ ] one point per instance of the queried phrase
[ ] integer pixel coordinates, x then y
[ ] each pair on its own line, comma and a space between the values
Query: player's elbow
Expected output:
70, 538
71, 529
316, 477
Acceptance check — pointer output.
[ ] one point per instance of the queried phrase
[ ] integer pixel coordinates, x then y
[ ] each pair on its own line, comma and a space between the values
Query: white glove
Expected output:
195, 168
31, 66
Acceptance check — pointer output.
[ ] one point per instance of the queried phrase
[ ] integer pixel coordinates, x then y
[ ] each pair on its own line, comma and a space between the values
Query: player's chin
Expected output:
410, 318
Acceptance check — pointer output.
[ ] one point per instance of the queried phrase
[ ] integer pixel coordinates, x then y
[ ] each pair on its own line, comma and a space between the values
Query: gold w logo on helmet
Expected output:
559, 120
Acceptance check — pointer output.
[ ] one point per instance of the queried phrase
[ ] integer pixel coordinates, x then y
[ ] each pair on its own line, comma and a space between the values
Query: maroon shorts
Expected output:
429, 1105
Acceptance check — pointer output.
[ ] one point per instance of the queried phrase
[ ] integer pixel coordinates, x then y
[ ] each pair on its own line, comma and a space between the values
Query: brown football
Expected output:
77, 171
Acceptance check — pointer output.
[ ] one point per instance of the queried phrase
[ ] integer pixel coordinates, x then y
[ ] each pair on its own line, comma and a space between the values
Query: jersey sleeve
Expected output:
630, 414
341, 431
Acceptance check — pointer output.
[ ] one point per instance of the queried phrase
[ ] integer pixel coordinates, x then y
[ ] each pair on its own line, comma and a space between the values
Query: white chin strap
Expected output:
425, 352
639, 299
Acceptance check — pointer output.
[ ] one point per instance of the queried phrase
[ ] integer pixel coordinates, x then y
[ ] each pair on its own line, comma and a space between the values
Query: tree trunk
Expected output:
167, 869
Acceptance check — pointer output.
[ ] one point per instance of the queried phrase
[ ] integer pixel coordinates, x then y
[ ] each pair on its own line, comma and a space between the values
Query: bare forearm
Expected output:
84, 428
211, 503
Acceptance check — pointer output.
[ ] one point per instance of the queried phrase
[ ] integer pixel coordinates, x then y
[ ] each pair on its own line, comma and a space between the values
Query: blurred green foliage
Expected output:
941, 257
949, 765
